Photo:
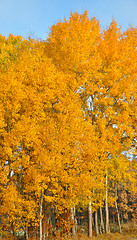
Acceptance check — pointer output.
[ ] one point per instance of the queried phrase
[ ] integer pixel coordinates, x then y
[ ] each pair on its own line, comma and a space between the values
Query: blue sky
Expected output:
35, 17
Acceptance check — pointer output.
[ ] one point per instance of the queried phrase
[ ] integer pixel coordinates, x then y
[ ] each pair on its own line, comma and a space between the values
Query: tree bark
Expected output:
116, 206
90, 218
37, 233
27, 235
96, 223
14, 234
75, 220
72, 212
102, 228
122, 218
40, 222
106, 207
44, 229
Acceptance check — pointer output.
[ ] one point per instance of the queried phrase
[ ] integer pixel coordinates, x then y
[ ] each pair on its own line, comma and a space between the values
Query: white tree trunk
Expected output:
116, 206
44, 229
106, 207
102, 228
40, 222
96, 223
90, 218
27, 235
72, 212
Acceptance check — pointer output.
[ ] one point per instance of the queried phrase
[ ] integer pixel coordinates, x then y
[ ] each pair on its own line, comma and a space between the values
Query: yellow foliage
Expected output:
67, 114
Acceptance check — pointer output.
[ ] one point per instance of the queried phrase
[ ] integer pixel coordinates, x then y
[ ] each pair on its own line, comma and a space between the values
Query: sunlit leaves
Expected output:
67, 116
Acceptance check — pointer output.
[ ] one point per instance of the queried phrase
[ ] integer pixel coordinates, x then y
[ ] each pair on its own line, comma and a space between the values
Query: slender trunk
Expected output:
27, 234
102, 228
118, 217
37, 233
47, 234
44, 229
122, 218
75, 220
40, 222
106, 207
72, 212
47, 228
14, 234
90, 218
114, 223
96, 223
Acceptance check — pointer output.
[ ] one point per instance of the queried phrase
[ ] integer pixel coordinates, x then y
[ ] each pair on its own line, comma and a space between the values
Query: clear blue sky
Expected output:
28, 17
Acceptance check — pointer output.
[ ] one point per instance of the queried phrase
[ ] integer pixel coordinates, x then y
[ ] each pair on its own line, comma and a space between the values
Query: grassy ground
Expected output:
129, 232
114, 236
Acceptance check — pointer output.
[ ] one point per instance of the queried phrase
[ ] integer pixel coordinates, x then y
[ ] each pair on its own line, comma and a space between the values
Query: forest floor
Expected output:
129, 232
111, 236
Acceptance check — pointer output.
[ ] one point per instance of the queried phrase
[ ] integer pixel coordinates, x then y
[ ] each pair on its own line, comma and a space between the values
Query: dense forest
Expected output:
68, 131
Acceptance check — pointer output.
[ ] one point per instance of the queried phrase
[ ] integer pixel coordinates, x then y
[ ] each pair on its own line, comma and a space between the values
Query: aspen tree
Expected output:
67, 116
97, 63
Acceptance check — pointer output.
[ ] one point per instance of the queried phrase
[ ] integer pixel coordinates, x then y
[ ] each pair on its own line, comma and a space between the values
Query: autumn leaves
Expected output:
68, 113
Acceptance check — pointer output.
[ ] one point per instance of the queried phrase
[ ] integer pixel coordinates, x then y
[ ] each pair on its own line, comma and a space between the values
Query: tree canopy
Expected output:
67, 117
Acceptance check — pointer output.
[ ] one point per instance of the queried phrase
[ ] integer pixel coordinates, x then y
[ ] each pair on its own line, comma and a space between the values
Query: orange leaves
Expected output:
67, 113
71, 43
102, 67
